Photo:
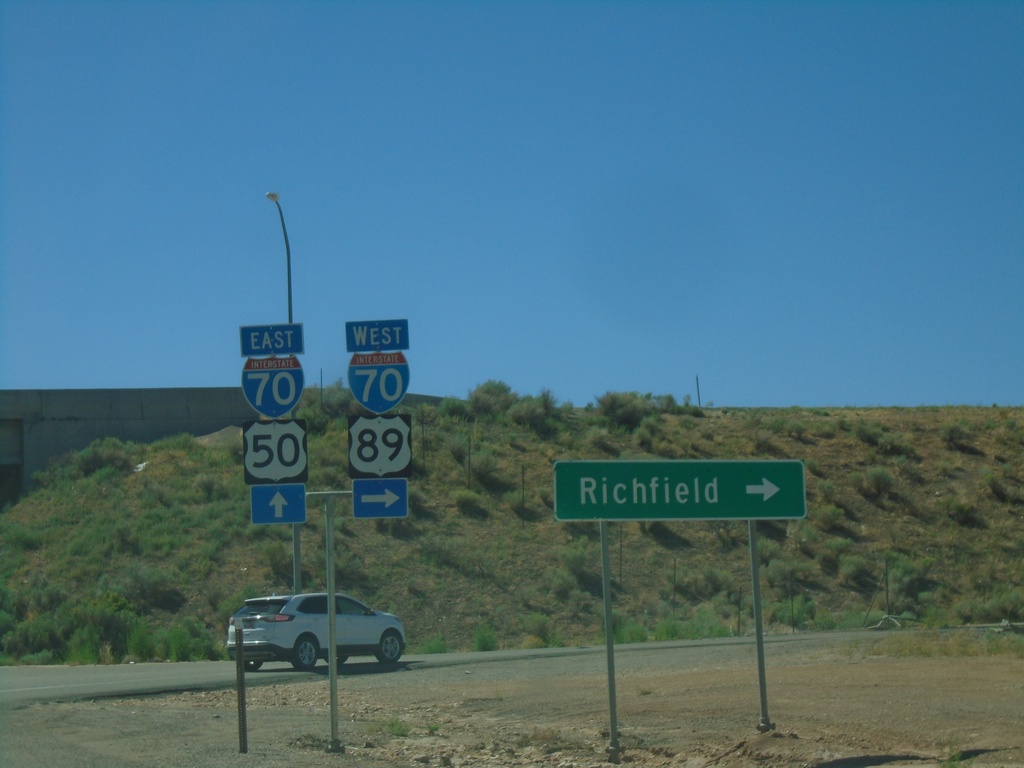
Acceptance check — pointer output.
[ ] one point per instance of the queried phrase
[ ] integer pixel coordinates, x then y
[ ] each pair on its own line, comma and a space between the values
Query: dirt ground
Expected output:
834, 712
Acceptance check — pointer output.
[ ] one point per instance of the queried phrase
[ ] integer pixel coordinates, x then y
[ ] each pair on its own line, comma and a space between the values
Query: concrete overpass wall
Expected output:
39, 424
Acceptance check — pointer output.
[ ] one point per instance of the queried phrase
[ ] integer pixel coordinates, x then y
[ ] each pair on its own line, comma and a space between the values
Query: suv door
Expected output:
311, 616
357, 625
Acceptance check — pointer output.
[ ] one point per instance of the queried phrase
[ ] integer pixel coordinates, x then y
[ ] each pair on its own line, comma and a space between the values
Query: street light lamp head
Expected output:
272, 197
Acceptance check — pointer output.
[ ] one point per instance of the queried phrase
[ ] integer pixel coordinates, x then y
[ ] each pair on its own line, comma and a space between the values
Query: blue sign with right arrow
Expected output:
380, 497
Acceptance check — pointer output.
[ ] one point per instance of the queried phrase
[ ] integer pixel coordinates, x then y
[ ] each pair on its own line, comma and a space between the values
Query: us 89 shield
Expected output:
380, 446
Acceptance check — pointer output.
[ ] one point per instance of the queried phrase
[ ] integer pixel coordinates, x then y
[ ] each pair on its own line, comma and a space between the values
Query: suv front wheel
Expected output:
390, 648
305, 653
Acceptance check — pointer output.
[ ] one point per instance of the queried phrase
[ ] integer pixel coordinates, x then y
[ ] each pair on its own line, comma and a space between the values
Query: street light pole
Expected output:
273, 197
296, 541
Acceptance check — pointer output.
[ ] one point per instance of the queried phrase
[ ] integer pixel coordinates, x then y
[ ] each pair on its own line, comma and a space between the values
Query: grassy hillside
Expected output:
145, 550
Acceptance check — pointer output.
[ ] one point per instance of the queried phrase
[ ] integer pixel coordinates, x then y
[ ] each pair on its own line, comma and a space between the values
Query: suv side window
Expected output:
350, 607
314, 604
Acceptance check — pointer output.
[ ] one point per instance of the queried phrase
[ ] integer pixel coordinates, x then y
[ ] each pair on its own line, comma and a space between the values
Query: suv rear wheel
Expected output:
305, 653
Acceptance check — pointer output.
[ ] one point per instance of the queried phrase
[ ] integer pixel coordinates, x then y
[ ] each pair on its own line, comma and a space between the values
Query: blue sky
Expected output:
815, 204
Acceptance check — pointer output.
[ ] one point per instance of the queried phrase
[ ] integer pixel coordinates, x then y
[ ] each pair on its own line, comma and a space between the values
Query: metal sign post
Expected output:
243, 728
609, 641
335, 744
765, 723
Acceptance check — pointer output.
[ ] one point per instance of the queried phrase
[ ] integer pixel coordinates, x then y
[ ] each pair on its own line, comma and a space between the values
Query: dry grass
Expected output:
938, 493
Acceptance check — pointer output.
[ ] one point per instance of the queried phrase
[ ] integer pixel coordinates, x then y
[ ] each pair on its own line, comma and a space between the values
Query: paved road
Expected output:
24, 685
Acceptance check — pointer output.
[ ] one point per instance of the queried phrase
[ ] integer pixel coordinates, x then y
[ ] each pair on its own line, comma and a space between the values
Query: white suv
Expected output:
294, 628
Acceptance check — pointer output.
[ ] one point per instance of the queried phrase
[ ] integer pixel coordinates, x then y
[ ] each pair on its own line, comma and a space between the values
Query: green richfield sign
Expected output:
679, 490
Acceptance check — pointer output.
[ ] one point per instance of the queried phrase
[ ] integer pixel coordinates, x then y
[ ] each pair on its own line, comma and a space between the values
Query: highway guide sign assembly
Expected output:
379, 447
604, 491
272, 385
274, 453
679, 490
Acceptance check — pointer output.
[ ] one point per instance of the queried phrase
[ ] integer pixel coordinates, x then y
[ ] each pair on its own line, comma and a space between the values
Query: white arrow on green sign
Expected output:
679, 490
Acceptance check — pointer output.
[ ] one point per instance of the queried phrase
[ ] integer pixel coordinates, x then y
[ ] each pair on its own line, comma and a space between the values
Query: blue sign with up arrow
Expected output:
383, 497
278, 503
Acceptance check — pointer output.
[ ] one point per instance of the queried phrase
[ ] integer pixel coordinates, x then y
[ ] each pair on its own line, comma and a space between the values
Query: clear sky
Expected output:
800, 203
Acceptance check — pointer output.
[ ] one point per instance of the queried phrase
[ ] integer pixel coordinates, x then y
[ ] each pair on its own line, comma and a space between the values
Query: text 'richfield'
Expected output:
651, 491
